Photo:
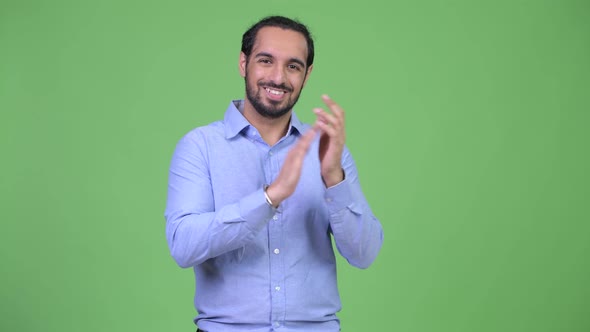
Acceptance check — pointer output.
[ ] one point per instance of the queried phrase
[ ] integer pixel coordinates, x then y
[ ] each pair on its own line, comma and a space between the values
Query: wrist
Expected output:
272, 197
333, 178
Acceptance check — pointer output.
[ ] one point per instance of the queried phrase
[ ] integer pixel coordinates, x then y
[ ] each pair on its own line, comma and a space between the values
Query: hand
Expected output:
286, 182
332, 140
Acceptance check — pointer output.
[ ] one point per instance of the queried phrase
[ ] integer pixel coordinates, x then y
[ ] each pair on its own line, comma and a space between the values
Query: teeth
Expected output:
274, 92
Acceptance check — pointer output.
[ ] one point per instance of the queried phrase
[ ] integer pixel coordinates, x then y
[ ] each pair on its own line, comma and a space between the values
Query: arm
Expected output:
357, 233
195, 231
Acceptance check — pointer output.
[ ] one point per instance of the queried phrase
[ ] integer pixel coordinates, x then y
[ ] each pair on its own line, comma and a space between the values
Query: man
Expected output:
254, 200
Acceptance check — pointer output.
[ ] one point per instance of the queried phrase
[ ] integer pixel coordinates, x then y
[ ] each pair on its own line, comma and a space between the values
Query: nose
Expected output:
277, 74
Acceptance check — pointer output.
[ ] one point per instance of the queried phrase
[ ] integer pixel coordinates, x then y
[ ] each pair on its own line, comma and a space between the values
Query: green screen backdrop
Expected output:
468, 121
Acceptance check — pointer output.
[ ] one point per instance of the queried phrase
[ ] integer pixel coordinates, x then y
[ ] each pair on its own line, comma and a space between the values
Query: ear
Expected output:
242, 64
307, 73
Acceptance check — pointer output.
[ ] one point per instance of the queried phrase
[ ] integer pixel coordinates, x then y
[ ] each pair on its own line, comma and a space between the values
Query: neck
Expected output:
271, 130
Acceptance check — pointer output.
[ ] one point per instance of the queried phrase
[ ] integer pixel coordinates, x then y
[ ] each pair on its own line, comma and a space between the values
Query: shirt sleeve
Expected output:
195, 230
357, 232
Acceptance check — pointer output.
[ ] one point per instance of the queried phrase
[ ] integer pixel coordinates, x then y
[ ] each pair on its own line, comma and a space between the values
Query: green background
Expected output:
468, 121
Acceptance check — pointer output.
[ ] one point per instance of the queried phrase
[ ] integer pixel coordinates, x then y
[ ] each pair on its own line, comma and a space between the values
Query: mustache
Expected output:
281, 86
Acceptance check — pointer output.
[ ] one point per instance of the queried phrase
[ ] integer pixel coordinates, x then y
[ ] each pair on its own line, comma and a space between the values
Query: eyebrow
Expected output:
268, 55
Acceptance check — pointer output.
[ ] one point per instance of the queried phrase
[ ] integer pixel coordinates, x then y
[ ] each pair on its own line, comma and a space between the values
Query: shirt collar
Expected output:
235, 121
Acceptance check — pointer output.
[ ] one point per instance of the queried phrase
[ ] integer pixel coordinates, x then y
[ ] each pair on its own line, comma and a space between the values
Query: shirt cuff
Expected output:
339, 197
255, 211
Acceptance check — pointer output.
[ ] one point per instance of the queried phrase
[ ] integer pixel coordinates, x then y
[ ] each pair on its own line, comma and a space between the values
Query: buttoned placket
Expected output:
275, 239
272, 162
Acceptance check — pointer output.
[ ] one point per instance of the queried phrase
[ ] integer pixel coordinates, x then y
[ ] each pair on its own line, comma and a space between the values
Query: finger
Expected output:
336, 111
327, 129
305, 140
333, 106
309, 135
327, 118
329, 124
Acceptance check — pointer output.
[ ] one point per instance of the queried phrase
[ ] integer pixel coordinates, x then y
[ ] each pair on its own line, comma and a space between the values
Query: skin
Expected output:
275, 75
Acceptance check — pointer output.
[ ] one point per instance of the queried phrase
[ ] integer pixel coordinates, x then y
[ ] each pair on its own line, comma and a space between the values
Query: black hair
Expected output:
249, 37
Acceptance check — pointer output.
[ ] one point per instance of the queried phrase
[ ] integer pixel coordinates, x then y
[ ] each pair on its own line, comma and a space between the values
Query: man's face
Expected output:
275, 72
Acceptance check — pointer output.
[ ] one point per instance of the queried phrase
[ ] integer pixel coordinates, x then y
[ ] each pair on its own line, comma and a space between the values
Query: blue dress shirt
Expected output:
258, 268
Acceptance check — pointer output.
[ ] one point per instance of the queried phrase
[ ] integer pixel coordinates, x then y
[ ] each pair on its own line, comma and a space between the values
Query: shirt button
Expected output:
276, 251
277, 288
277, 324
328, 199
270, 153
275, 217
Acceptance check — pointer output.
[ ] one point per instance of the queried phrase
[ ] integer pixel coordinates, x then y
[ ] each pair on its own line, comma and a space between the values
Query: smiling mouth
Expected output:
275, 91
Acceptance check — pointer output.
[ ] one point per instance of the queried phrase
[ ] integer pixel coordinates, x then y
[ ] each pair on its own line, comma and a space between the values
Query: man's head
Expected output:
276, 60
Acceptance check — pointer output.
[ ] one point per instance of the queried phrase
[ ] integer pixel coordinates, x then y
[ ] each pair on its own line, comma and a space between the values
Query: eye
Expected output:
264, 60
294, 67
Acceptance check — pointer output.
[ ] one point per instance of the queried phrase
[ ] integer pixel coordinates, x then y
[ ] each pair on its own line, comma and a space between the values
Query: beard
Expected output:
273, 110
